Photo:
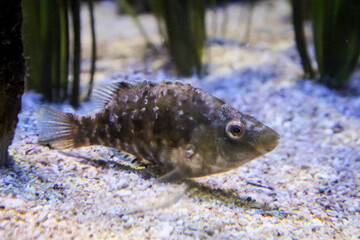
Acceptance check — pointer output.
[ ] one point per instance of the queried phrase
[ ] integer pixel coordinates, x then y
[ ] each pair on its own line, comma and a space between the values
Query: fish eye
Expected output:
235, 129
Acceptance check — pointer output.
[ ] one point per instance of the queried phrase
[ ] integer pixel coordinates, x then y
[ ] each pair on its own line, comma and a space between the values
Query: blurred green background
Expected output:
52, 39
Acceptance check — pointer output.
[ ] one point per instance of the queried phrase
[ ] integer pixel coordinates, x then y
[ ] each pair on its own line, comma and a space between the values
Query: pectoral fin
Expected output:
172, 176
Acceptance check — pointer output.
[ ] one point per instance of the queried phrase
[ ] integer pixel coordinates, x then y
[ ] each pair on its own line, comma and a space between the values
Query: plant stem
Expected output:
298, 16
93, 47
75, 10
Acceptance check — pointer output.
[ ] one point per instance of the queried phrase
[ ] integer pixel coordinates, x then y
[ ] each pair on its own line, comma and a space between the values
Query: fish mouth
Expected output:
268, 142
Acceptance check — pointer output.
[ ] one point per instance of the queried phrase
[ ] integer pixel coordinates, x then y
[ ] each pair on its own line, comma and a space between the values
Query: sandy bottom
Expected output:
308, 188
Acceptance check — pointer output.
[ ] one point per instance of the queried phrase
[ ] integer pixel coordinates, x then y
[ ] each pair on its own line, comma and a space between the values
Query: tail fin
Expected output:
55, 128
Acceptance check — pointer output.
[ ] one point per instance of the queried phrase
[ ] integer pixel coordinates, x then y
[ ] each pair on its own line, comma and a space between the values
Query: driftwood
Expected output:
12, 70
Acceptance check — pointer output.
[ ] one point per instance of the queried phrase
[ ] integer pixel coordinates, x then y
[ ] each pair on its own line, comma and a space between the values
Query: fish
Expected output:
181, 129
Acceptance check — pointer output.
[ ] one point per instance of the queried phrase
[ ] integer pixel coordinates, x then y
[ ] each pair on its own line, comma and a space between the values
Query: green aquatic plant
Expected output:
298, 21
182, 27
47, 48
129, 10
220, 21
336, 32
93, 48
182, 23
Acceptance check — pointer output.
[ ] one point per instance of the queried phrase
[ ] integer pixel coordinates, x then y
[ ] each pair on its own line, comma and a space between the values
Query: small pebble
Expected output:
123, 193
13, 202
166, 230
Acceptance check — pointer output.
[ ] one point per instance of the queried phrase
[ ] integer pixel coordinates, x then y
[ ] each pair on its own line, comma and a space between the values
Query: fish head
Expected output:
241, 138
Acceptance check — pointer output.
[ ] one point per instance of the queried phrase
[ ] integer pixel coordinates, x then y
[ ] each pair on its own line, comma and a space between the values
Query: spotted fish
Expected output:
183, 130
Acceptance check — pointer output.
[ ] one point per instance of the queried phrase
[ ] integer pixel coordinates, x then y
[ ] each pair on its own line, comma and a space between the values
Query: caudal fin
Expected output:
55, 128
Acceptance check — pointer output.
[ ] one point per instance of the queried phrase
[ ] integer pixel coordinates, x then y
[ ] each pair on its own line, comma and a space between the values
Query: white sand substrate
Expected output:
307, 188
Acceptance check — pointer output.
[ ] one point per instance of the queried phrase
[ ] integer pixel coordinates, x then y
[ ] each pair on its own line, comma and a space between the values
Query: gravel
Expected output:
307, 188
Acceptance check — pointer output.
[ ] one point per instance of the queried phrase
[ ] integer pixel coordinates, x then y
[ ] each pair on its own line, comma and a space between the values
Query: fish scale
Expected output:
183, 130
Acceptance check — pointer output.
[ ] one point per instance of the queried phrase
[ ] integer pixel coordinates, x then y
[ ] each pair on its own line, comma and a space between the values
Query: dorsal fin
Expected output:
101, 96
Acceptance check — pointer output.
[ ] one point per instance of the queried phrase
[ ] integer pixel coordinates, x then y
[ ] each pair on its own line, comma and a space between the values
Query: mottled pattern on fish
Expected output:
181, 129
